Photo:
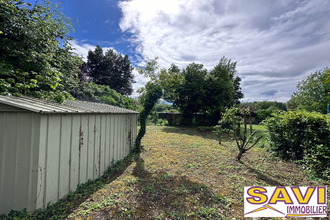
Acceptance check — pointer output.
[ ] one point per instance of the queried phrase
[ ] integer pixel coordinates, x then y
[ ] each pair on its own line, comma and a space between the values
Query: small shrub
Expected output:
237, 117
302, 136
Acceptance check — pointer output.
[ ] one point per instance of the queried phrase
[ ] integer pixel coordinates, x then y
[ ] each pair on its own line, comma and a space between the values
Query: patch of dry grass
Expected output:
185, 174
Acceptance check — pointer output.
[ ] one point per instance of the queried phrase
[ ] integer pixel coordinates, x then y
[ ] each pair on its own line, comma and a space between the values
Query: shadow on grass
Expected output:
64, 207
172, 196
261, 175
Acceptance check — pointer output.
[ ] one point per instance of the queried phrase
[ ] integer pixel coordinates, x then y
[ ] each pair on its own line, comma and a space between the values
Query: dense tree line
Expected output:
194, 89
36, 59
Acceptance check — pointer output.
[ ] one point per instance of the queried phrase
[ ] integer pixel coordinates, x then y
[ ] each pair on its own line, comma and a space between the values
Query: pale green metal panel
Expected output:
91, 146
129, 132
97, 147
127, 135
83, 150
34, 157
74, 153
42, 156
107, 142
9, 142
3, 150
112, 139
119, 135
102, 144
116, 142
22, 166
122, 136
64, 174
53, 158
18, 153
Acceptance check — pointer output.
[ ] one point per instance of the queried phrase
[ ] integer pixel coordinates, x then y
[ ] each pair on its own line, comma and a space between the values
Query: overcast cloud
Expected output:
275, 43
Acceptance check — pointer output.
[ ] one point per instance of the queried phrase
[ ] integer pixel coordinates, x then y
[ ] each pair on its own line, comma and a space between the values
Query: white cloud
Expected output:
276, 42
82, 49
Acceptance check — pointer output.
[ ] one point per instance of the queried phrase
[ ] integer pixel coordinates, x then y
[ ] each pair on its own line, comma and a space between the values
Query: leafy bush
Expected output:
262, 114
302, 136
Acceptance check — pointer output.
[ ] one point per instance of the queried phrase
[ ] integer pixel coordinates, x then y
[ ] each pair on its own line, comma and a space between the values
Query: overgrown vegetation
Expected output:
99, 93
35, 51
304, 137
187, 176
36, 59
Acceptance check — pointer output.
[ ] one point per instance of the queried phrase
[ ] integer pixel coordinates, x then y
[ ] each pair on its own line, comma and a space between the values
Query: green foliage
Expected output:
302, 136
170, 80
153, 93
195, 90
191, 92
312, 94
153, 119
269, 105
35, 51
235, 117
223, 199
99, 93
111, 69
264, 109
327, 80
262, 114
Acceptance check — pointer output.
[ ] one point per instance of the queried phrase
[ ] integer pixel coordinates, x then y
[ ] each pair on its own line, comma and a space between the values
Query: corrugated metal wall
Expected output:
43, 157
19, 141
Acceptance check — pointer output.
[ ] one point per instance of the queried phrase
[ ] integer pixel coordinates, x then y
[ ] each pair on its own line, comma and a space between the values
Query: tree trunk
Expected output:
250, 125
240, 154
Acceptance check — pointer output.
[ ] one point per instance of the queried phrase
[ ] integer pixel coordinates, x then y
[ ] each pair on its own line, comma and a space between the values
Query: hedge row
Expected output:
302, 136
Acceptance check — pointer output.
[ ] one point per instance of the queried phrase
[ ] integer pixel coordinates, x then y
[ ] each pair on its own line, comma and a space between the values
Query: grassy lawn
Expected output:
183, 174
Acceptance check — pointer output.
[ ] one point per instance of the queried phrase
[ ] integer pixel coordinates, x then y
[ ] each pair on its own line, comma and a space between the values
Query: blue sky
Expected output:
275, 43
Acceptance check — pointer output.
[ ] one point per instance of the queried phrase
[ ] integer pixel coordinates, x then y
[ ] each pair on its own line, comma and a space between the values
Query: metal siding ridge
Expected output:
68, 106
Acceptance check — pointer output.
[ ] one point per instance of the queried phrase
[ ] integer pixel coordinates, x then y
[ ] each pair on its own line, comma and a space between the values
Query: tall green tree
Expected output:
111, 69
35, 53
223, 88
192, 91
312, 94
